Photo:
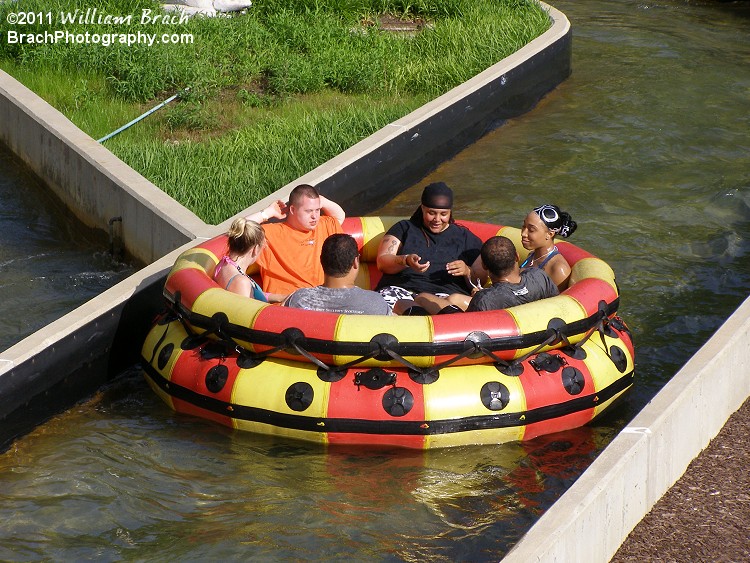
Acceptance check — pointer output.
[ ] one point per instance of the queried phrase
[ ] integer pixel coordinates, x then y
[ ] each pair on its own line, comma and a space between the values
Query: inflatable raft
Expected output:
415, 382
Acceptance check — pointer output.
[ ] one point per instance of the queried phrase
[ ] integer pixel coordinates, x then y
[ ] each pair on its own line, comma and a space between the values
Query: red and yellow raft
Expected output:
416, 382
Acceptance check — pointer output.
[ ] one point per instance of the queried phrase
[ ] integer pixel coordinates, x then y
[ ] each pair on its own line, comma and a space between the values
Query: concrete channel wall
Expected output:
100, 189
592, 519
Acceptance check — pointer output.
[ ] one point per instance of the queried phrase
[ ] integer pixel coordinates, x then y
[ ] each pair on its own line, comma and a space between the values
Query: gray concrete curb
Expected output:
92, 182
592, 519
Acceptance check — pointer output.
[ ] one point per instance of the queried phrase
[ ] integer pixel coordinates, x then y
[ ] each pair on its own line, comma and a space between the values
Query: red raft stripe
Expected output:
190, 371
316, 324
190, 283
572, 253
353, 227
483, 230
347, 401
544, 388
454, 328
590, 292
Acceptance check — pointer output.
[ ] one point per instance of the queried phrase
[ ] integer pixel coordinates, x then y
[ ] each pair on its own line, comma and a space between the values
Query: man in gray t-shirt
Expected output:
510, 286
338, 294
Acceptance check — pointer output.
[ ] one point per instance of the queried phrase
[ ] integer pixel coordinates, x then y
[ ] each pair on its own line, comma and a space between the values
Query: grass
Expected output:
274, 92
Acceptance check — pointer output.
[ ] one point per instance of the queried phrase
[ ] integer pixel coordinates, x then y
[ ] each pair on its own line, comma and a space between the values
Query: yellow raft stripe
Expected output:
535, 316
592, 267
240, 310
363, 328
164, 336
457, 394
265, 387
372, 228
198, 258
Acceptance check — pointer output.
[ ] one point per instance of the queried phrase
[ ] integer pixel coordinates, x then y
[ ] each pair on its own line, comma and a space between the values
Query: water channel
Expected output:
647, 145
49, 263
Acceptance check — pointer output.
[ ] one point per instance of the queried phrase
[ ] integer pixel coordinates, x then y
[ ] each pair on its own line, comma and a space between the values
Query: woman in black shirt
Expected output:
428, 253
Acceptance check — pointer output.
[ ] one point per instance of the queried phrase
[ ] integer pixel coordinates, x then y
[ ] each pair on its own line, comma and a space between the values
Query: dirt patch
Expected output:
705, 515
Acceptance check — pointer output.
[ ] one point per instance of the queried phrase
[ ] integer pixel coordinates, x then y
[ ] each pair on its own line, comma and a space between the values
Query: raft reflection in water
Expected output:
418, 382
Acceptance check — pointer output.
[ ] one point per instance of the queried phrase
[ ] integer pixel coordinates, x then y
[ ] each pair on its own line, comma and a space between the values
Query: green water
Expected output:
49, 263
647, 145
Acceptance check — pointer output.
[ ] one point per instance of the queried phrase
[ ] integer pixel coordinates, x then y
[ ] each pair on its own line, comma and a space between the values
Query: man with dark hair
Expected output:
510, 286
338, 294
291, 258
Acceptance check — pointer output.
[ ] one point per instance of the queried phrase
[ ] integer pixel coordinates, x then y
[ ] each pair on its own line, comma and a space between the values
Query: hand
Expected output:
458, 268
412, 261
277, 209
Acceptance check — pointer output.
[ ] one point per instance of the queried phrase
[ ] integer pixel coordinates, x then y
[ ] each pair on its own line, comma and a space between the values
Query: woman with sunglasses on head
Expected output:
538, 233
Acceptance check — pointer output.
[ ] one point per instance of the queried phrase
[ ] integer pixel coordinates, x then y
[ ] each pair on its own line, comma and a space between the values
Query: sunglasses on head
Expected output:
547, 213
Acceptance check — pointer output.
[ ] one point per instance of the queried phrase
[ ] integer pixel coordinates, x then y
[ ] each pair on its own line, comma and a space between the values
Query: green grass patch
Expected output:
273, 92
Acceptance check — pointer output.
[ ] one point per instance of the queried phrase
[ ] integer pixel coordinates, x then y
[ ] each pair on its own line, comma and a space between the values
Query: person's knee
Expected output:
431, 303
459, 300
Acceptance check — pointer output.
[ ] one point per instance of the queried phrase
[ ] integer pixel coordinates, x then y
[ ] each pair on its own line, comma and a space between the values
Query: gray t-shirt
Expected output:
535, 284
346, 300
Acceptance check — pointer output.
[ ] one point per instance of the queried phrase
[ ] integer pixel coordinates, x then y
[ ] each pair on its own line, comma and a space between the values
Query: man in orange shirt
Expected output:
291, 258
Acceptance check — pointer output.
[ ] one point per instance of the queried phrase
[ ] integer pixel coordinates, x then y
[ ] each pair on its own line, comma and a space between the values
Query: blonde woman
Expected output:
246, 240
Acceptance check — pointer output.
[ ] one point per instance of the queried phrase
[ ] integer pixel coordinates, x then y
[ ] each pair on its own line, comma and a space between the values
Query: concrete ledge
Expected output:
92, 182
592, 519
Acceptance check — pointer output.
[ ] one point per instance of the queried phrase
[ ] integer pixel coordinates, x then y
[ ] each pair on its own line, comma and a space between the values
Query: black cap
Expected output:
437, 196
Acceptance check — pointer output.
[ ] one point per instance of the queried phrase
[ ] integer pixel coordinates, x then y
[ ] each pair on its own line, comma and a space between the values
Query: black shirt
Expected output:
454, 243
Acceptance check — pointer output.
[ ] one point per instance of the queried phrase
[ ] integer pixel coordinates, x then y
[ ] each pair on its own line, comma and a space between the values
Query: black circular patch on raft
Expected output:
331, 375
512, 370
375, 378
574, 352
216, 378
299, 396
218, 321
495, 396
213, 350
398, 401
556, 325
573, 380
618, 324
424, 377
476, 337
618, 358
292, 336
547, 362
164, 355
380, 343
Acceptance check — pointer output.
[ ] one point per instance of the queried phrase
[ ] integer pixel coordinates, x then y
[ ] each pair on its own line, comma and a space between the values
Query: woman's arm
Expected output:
390, 262
558, 270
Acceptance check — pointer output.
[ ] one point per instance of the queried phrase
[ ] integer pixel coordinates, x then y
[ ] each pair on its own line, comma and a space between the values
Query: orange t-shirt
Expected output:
291, 258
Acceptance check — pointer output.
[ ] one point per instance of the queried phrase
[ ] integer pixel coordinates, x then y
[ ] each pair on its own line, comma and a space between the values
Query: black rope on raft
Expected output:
381, 346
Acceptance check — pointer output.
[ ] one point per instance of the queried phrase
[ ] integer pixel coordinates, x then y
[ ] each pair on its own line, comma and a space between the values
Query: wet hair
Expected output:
244, 235
302, 191
558, 221
435, 196
338, 254
499, 256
